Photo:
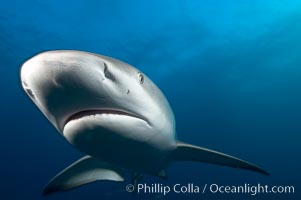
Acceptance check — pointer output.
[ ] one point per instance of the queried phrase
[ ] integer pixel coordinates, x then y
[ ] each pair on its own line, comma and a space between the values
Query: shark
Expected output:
114, 114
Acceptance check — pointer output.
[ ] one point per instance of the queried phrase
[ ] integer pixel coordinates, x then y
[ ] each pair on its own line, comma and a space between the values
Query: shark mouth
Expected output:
86, 113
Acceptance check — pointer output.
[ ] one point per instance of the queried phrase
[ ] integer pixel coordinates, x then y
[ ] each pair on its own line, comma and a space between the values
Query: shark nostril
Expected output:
29, 92
24, 83
107, 73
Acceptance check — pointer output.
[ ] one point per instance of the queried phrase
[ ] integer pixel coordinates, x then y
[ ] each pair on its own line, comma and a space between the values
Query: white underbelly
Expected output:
143, 151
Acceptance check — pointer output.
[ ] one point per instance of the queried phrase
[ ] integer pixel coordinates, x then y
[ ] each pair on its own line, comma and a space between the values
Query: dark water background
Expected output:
230, 69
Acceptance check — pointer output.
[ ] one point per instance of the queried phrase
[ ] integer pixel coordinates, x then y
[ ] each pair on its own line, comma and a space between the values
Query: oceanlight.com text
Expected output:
191, 188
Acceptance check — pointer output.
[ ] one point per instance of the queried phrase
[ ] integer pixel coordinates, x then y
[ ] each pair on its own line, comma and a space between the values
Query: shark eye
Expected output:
140, 78
30, 93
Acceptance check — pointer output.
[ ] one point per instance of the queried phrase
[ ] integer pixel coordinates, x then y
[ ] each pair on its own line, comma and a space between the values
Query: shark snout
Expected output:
61, 84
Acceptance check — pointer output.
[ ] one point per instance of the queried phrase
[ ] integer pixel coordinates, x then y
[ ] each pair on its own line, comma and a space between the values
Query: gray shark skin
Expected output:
114, 114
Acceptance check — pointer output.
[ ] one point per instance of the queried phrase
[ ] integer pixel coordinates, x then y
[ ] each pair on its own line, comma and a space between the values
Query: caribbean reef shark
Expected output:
114, 114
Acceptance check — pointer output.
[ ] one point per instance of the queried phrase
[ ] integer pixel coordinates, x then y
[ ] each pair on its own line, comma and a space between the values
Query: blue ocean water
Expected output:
231, 71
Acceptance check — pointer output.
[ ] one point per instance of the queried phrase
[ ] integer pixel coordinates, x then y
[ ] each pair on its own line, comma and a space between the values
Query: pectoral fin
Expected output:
187, 152
83, 171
